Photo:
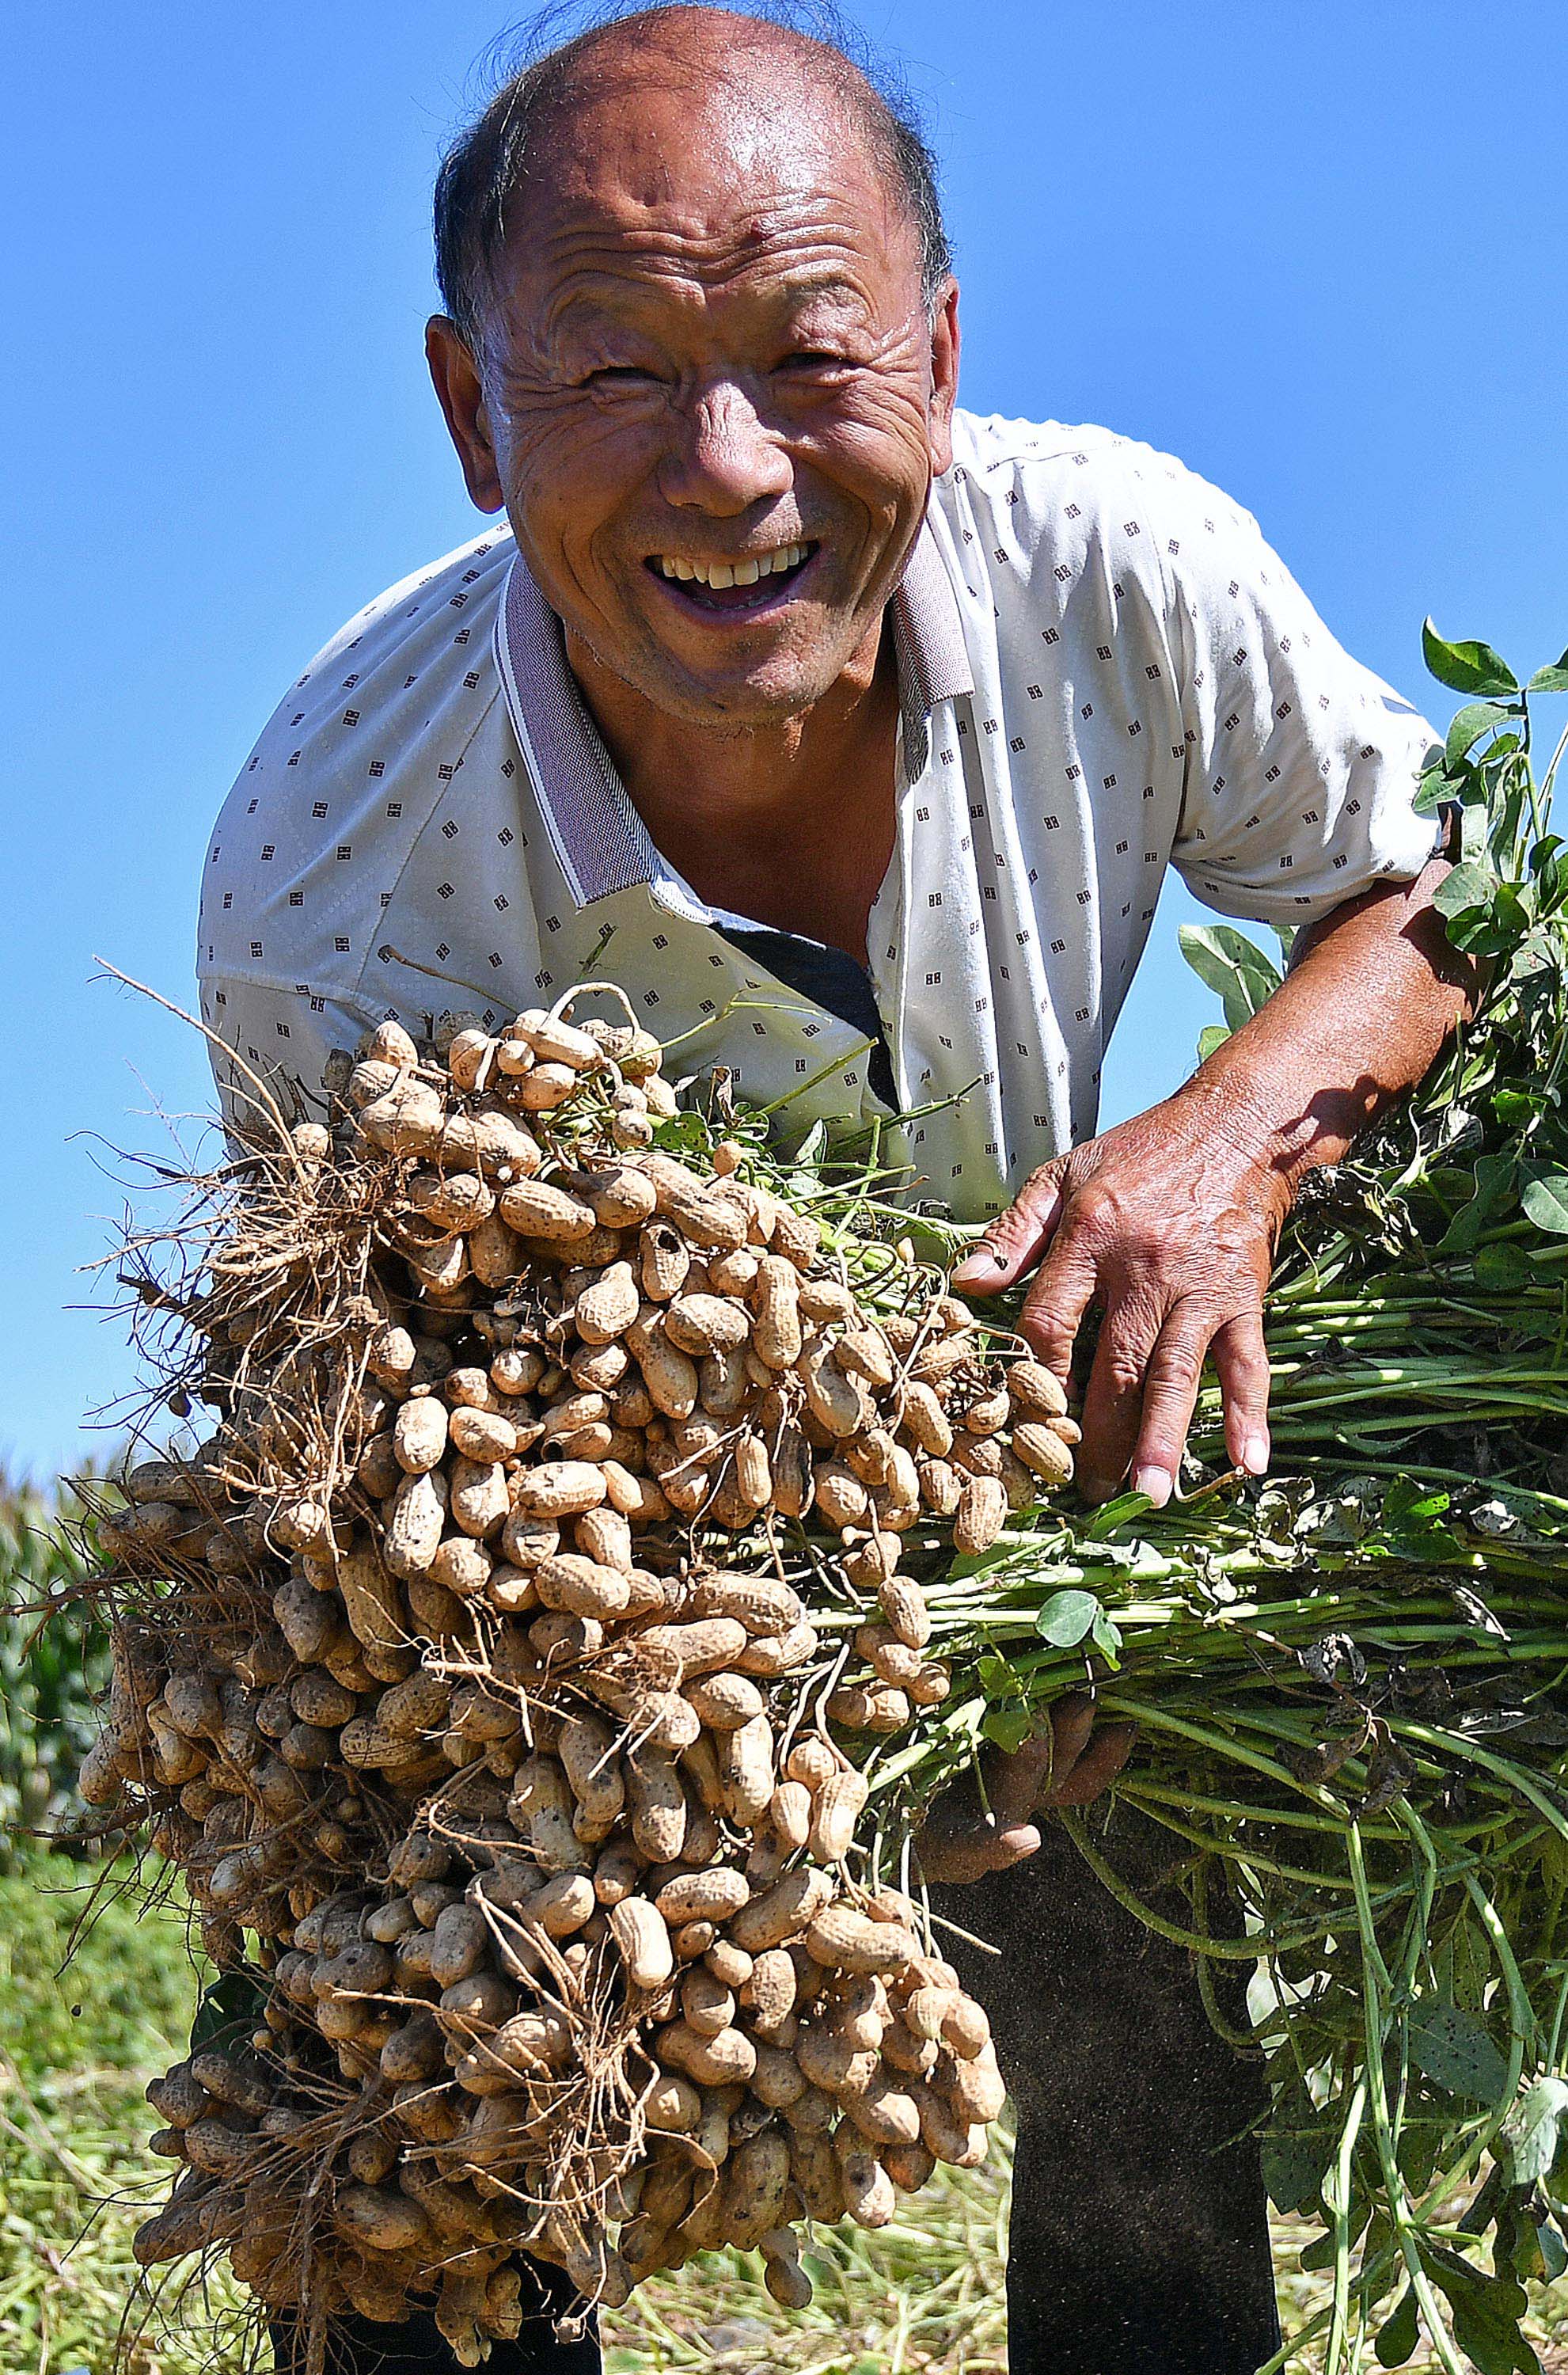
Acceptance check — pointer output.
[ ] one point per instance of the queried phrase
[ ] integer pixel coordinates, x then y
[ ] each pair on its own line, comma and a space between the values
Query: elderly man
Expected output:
854, 734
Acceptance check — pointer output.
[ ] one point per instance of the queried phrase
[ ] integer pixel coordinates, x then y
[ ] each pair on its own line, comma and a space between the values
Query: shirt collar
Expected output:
598, 835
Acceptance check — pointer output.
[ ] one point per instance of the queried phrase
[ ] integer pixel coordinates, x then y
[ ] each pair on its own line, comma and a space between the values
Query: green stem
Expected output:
1339, 2206
1375, 1977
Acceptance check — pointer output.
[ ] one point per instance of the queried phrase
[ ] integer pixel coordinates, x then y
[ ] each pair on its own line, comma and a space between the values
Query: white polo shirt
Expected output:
1104, 670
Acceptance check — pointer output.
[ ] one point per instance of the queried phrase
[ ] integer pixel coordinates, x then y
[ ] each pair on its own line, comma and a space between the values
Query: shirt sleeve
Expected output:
275, 1037
1301, 765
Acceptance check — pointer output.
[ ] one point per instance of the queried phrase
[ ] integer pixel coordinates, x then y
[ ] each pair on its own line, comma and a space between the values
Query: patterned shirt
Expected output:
1103, 670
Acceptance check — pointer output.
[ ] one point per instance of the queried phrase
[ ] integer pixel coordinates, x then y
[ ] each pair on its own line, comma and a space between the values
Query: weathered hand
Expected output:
1069, 1763
1168, 1224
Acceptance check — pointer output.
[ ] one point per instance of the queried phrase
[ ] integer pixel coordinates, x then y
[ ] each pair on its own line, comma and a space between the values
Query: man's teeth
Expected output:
721, 574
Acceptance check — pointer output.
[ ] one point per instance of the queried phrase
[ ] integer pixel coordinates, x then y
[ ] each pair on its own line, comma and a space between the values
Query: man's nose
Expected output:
724, 458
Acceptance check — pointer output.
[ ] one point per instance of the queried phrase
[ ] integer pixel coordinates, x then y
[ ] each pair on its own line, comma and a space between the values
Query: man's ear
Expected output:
462, 400
944, 375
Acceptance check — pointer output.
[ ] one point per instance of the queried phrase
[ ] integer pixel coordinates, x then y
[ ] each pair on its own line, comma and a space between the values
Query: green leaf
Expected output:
1233, 967
1434, 790
1450, 2047
1106, 1637
1007, 1728
1531, 2131
1468, 725
1398, 2334
1490, 2337
1112, 1515
1515, 1107
1295, 2166
228, 2002
1405, 1500
1546, 1203
1486, 2311
1068, 1618
1493, 1178
1503, 1268
1550, 680
1480, 935
1467, 887
1467, 667
1212, 1035
1535, 954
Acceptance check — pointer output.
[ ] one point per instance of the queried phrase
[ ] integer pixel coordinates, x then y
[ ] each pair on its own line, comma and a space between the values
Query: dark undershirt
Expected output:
831, 978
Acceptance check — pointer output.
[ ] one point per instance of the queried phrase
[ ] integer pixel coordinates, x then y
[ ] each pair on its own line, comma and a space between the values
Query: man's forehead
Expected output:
648, 159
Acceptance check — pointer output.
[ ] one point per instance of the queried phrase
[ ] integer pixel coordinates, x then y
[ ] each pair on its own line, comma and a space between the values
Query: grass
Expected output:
76, 2048
51, 1670
923, 2297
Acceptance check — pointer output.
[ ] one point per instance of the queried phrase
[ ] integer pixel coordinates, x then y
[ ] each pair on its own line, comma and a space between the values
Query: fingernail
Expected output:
976, 1261
1158, 1483
1254, 1455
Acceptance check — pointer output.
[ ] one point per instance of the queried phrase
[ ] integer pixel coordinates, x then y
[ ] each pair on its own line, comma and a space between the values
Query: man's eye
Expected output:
618, 375
812, 359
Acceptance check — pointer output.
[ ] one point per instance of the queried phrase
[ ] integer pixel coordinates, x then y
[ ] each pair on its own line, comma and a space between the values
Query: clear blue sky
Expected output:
1319, 252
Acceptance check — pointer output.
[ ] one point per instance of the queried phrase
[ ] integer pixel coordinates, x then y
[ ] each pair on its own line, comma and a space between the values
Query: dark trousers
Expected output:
1140, 2239
1139, 2227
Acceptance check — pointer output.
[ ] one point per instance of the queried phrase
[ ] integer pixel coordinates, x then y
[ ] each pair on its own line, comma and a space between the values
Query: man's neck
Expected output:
791, 825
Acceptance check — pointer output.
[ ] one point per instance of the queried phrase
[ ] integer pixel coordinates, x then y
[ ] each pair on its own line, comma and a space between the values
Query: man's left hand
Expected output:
1070, 1761
1168, 1224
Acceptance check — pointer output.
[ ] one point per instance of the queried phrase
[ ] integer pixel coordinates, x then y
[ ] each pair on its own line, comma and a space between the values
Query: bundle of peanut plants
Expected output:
501, 1670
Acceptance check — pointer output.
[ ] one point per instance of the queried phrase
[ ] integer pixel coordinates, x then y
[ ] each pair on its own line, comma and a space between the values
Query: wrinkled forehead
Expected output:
664, 174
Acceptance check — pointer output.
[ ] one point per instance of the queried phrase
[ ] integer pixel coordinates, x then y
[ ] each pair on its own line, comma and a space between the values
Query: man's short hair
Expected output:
488, 165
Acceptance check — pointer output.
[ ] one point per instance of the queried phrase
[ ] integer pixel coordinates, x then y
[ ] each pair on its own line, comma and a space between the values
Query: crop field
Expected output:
923, 2297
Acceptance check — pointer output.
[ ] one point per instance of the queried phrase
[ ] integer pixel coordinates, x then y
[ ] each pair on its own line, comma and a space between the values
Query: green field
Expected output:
78, 2044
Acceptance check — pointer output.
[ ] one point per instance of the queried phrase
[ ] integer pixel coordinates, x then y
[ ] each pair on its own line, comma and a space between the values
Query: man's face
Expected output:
715, 396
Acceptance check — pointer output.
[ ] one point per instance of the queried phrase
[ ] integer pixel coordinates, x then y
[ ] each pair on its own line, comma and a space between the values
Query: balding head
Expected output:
694, 351
767, 65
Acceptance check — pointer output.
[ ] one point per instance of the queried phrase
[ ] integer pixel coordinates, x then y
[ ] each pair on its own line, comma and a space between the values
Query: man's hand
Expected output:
1069, 1763
1168, 1225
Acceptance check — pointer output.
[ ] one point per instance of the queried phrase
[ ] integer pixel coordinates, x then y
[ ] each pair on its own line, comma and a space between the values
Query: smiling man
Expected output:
853, 735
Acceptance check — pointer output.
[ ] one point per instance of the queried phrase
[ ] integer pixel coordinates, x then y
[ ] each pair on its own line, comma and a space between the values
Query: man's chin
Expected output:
734, 705
740, 692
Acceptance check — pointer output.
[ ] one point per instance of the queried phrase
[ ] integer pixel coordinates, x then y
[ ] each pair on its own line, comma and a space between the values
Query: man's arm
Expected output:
1168, 1224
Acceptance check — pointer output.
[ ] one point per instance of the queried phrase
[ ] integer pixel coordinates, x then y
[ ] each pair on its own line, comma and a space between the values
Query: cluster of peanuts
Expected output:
499, 1749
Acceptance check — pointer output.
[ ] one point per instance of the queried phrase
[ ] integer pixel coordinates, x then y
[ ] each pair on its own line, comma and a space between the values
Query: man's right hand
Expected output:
1069, 1763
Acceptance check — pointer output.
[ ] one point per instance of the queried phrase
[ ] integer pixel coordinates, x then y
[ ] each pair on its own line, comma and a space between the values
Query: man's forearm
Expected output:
1373, 991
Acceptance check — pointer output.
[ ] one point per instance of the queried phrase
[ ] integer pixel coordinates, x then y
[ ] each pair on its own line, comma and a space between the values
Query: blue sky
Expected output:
1320, 253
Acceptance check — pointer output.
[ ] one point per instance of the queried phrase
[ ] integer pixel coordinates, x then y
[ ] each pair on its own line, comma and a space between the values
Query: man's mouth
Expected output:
757, 581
